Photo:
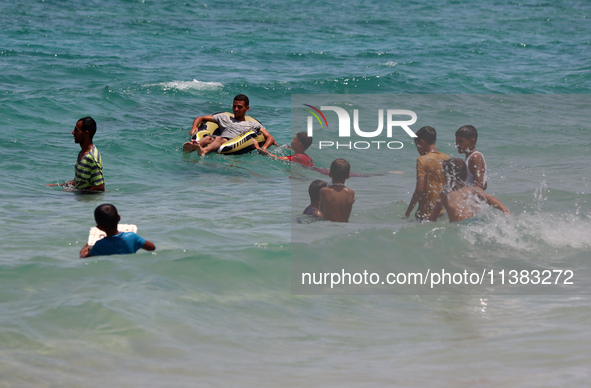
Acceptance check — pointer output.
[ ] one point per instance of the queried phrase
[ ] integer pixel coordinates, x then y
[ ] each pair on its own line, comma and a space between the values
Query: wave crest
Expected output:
189, 85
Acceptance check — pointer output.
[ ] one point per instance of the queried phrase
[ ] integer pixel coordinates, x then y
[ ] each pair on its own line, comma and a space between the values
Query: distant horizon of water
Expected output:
214, 305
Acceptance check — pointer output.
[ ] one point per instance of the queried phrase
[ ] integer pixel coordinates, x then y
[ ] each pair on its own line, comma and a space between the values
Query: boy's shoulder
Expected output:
433, 155
336, 187
127, 234
95, 234
337, 190
432, 160
475, 155
439, 155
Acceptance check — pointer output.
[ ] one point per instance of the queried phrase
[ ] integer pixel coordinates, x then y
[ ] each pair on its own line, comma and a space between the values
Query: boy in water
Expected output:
336, 200
313, 208
88, 170
230, 127
466, 138
107, 219
430, 179
299, 144
460, 201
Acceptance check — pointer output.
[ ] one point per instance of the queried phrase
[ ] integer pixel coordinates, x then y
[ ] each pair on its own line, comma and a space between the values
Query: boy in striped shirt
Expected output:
89, 165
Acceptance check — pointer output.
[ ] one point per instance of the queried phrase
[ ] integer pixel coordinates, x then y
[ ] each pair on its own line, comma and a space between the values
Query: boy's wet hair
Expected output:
314, 189
455, 169
242, 97
88, 124
428, 134
340, 169
106, 216
467, 132
304, 139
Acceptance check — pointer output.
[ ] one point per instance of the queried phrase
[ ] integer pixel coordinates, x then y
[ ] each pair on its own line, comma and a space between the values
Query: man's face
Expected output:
78, 133
239, 109
465, 145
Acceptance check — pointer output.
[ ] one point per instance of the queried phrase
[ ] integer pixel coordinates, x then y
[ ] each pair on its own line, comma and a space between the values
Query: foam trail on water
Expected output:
189, 85
531, 232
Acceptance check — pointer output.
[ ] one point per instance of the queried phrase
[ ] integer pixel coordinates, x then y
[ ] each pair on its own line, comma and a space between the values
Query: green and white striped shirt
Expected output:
89, 170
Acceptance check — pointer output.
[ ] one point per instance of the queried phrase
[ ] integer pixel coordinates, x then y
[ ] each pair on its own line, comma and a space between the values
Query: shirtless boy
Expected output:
460, 201
336, 200
313, 208
230, 128
466, 138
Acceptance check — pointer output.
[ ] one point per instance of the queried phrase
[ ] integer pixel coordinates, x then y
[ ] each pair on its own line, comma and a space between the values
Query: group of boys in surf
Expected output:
443, 183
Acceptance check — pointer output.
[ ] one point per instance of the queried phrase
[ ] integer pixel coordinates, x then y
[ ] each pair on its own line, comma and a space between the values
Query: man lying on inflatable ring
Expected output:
230, 127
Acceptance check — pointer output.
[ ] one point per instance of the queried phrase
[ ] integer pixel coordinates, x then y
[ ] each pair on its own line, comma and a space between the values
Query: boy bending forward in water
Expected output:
461, 201
336, 200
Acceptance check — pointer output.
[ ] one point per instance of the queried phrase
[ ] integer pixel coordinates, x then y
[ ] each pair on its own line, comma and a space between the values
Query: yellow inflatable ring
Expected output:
238, 145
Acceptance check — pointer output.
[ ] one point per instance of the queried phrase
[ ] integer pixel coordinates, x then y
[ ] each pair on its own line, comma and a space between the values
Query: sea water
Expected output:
215, 304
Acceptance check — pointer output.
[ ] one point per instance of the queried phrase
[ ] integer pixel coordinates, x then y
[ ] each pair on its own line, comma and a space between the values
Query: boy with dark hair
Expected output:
242, 97
299, 144
430, 179
336, 200
313, 208
88, 170
466, 137
230, 127
461, 201
107, 219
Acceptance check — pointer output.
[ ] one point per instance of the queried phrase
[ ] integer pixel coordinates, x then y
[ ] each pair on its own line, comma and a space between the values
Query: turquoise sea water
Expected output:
213, 306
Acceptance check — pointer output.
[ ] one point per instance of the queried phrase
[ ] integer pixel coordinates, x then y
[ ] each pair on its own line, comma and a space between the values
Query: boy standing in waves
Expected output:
336, 200
430, 179
88, 170
466, 138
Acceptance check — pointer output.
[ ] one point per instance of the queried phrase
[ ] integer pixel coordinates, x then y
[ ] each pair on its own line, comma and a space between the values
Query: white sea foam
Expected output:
532, 232
189, 85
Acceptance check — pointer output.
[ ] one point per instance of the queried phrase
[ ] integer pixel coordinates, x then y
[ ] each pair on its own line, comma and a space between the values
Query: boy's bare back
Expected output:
336, 202
463, 203
460, 204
